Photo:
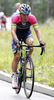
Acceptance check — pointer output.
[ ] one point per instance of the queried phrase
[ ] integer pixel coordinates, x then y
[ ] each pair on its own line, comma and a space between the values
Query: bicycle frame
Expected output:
27, 50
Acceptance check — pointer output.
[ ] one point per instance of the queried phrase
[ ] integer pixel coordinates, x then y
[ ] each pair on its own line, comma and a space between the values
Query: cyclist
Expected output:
20, 29
3, 20
17, 9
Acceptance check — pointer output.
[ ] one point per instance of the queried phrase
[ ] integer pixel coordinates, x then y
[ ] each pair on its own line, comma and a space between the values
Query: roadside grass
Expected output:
44, 65
5, 51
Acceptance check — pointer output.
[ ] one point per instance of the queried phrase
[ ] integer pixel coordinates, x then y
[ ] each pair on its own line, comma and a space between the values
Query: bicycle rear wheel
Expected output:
28, 77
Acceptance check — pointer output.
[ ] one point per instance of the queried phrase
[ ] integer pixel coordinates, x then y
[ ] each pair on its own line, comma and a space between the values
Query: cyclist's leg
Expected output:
29, 40
14, 65
16, 56
1, 24
15, 62
5, 25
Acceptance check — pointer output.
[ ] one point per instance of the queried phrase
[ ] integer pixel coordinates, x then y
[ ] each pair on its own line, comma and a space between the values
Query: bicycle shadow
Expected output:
20, 97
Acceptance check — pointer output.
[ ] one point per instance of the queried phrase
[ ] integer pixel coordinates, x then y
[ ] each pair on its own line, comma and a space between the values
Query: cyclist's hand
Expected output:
17, 43
42, 44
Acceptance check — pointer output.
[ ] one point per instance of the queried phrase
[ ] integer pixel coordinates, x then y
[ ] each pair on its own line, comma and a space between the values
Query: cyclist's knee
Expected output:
30, 41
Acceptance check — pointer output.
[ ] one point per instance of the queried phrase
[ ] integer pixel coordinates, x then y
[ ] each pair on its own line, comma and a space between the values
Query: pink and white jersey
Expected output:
3, 19
23, 27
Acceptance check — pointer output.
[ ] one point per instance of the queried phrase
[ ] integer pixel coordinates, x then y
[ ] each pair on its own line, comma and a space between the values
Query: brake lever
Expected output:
43, 50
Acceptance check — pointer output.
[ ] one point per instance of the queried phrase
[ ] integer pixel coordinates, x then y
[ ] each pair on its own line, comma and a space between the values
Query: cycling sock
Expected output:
14, 73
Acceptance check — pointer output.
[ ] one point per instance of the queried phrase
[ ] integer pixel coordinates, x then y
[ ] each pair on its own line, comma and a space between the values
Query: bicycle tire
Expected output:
28, 92
18, 81
19, 88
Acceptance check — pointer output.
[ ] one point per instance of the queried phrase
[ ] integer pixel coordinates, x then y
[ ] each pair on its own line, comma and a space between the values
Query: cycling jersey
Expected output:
3, 19
23, 27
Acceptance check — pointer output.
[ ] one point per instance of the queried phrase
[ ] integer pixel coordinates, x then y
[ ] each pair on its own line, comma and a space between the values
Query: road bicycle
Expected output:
25, 72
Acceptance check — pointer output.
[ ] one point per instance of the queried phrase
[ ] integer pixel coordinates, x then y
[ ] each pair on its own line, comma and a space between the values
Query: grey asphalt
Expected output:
7, 93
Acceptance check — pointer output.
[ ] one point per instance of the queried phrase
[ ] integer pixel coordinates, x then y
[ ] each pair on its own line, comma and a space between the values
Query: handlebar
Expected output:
42, 49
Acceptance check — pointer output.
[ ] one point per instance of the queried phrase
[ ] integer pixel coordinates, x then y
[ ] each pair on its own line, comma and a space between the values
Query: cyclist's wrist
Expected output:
17, 42
40, 42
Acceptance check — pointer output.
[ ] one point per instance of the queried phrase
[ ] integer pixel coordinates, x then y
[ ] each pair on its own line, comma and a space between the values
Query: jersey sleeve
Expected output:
33, 21
13, 21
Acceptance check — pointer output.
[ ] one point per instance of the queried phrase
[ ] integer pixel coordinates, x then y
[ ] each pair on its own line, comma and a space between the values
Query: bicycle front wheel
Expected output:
28, 77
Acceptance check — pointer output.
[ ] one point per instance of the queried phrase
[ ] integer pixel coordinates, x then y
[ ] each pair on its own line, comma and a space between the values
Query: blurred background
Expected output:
42, 9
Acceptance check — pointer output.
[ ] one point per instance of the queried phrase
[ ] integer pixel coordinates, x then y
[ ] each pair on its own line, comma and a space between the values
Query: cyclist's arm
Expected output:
34, 23
36, 28
38, 33
13, 28
13, 32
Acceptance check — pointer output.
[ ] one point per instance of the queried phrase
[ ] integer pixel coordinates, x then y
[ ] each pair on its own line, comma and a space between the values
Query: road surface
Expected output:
7, 93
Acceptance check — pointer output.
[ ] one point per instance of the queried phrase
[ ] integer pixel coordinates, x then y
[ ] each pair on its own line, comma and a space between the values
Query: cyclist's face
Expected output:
24, 17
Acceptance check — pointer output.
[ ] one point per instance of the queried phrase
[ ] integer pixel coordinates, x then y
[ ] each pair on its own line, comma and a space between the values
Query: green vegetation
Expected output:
42, 9
44, 65
5, 51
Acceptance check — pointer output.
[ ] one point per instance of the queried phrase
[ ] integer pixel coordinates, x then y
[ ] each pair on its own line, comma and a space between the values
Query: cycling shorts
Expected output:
3, 22
22, 36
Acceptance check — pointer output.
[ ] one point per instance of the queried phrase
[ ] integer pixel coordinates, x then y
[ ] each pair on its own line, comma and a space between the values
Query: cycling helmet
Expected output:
24, 8
2, 14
